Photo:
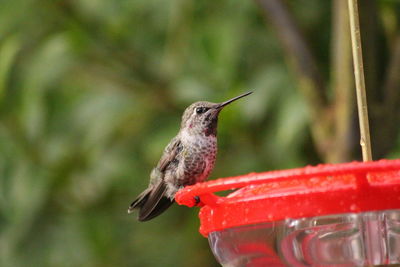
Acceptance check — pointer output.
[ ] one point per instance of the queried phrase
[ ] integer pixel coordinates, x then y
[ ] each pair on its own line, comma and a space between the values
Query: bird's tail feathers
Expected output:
140, 200
151, 202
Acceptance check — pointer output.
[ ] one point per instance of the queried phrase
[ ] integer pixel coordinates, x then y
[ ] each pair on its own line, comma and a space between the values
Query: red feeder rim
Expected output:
295, 193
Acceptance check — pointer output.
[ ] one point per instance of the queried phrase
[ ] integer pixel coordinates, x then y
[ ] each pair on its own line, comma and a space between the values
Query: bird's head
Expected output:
201, 118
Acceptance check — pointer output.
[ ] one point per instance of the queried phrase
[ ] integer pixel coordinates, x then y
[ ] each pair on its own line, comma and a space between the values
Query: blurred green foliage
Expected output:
91, 91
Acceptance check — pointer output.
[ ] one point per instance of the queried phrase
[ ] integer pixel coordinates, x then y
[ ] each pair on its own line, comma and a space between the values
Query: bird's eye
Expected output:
200, 110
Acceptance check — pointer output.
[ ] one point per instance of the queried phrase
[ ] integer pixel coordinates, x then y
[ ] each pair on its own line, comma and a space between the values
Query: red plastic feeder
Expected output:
327, 215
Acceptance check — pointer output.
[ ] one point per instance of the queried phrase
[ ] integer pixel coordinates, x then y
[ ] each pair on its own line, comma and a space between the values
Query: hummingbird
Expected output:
188, 159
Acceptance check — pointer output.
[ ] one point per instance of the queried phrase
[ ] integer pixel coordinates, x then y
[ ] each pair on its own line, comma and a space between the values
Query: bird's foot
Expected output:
197, 200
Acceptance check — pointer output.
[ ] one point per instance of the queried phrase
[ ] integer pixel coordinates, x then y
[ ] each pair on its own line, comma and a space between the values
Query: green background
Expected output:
91, 91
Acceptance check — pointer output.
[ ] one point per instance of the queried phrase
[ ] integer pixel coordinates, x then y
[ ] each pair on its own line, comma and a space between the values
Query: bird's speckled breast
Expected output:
198, 155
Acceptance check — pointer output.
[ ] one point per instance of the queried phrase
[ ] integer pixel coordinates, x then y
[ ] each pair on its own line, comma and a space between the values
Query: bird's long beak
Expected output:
223, 104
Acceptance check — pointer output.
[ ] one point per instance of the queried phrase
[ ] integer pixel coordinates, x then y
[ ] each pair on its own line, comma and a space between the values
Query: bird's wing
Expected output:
154, 200
170, 152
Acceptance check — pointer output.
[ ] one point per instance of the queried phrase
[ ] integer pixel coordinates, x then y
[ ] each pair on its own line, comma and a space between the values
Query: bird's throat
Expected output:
211, 128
